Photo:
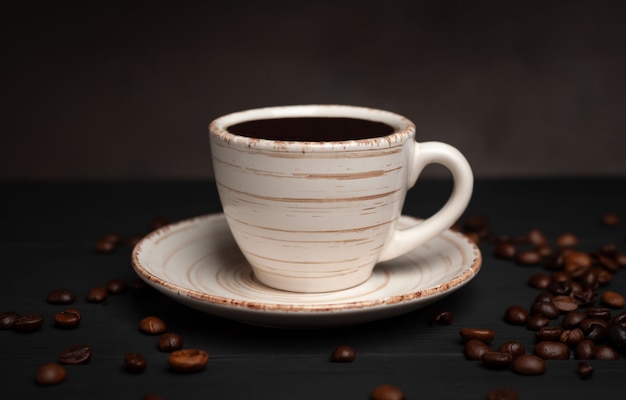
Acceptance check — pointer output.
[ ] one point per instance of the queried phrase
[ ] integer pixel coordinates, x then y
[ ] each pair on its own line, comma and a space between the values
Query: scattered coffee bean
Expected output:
536, 322
612, 299
75, 355
544, 297
116, 286
496, 360
559, 287
545, 309
516, 315
572, 319
502, 394
97, 294
152, 325
442, 318
610, 220
135, 362
604, 352
169, 342
550, 350
8, 319
474, 349
565, 303
539, 281
188, 360
550, 333
505, 251
536, 237
576, 262
599, 312
585, 370
68, 318
572, 337
50, 374
484, 335
108, 244
152, 396
513, 347
387, 392
61, 296
585, 350
343, 354
616, 334
604, 277
567, 240
594, 328
529, 364
528, 257
29, 323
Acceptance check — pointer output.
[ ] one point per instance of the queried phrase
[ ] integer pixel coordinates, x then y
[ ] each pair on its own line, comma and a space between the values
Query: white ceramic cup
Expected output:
316, 216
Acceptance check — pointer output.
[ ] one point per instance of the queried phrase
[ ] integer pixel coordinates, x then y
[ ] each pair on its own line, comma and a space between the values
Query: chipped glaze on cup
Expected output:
318, 216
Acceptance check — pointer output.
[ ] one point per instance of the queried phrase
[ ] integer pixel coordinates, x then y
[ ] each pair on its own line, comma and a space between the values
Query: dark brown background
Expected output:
126, 90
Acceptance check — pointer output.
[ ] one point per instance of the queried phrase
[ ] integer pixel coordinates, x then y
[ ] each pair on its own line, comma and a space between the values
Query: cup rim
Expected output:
403, 127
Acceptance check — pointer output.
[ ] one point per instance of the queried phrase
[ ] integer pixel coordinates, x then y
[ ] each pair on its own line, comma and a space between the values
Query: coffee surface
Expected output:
311, 129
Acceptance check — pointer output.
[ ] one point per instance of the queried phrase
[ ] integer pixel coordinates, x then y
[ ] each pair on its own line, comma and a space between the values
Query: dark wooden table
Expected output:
47, 242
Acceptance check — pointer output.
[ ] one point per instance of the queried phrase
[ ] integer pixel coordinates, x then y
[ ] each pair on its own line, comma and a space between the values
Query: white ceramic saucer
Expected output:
197, 262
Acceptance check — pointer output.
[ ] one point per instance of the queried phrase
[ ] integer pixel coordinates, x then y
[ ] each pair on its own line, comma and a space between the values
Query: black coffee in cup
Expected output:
311, 129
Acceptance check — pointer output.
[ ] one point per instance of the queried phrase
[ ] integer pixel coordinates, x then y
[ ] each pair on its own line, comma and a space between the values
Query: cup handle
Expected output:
426, 153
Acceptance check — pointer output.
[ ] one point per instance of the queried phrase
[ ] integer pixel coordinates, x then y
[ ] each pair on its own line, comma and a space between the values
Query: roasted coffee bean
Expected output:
593, 328
484, 335
116, 286
539, 281
133, 241
572, 337
599, 312
108, 244
68, 318
516, 315
502, 394
97, 294
474, 349
169, 342
61, 296
585, 297
572, 319
608, 264
387, 392
188, 360
343, 354
612, 299
442, 318
547, 310
135, 362
496, 360
604, 277
536, 237
513, 347
152, 396
549, 333
567, 240
152, 325
75, 355
29, 323
505, 251
576, 262
620, 259
50, 374
544, 251
529, 364
536, 322
585, 370
550, 350
528, 257
544, 297
7, 320
606, 353
559, 287
565, 303
589, 278
610, 220
585, 350
616, 333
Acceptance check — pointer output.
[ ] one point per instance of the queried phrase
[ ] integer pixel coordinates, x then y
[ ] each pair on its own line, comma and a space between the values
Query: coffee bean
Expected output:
565, 303
133, 241
620, 259
29, 323
585, 370
606, 353
599, 312
484, 335
552, 333
608, 264
539, 281
576, 262
108, 244
169, 342
567, 240
152, 325
528, 257
544, 297
536, 237
547, 310
61, 296
536, 322
572, 337
474, 349
343, 354
505, 251
616, 334
594, 328
50, 374
529, 364
442, 318
572, 319
188, 360
513, 347
604, 277
7, 320
75, 355
502, 394
116, 286
585, 350
559, 287
516, 315
387, 392
152, 396
97, 294
550, 350
612, 299
135, 362
496, 360
610, 220
68, 318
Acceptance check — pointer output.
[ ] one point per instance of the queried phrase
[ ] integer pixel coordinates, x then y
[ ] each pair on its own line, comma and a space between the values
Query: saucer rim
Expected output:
403, 298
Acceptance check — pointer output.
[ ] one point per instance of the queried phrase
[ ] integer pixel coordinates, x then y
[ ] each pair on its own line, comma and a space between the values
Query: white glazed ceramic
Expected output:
197, 263
318, 216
